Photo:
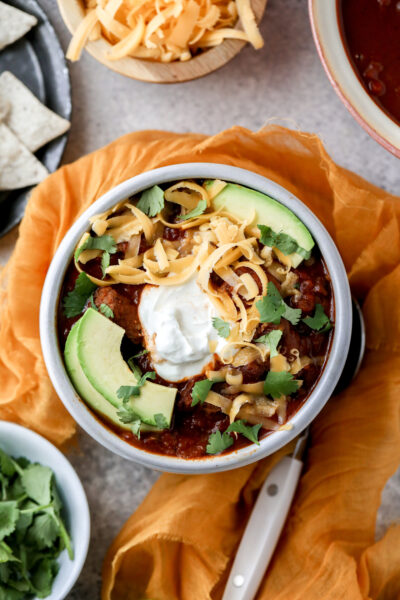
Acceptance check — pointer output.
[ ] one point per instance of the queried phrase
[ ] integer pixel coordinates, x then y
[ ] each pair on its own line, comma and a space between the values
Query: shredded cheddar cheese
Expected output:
163, 30
222, 252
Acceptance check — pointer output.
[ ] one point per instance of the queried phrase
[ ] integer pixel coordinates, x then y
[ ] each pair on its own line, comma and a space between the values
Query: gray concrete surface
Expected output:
286, 82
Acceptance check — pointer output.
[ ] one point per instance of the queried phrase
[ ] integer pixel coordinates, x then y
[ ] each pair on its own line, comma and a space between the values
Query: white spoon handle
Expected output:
263, 530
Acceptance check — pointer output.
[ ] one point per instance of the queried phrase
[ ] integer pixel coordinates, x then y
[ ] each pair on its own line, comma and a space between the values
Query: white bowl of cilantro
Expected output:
44, 518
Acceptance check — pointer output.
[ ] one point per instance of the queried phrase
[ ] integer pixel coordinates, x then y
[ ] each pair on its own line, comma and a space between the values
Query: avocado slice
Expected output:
81, 383
95, 364
241, 201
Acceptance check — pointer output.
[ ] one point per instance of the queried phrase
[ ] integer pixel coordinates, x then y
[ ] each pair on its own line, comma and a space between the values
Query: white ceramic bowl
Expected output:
271, 443
19, 441
333, 55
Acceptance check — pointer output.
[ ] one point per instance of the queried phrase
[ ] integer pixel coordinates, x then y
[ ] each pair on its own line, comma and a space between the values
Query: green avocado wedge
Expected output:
97, 369
242, 201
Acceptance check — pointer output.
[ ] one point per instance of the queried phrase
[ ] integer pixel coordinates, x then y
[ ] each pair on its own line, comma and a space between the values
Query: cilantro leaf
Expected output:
284, 242
43, 575
141, 353
280, 383
200, 391
271, 307
8, 517
74, 302
196, 212
105, 262
222, 327
6, 554
134, 368
106, 311
218, 442
320, 321
135, 427
126, 414
151, 201
32, 533
126, 391
102, 242
268, 236
43, 532
37, 481
271, 340
292, 314
6, 464
250, 432
160, 421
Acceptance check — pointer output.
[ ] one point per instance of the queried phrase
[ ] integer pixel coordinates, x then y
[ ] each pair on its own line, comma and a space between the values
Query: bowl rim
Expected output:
249, 454
74, 486
343, 77
155, 71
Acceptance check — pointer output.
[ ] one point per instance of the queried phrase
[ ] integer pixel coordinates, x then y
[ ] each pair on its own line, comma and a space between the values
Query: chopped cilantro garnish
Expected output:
250, 432
106, 311
200, 391
272, 340
102, 242
141, 353
292, 314
105, 262
284, 242
320, 321
280, 383
272, 307
151, 201
196, 212
32, 533
74, 302
126, 414
160, 421
135, 427
106, 243
134, 367
218, 442
222, 327
126, 391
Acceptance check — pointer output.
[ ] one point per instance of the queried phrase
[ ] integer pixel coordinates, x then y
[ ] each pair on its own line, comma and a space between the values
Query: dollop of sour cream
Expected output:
178, 330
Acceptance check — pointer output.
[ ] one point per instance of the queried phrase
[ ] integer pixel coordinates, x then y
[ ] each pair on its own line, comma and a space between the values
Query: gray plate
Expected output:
38, 61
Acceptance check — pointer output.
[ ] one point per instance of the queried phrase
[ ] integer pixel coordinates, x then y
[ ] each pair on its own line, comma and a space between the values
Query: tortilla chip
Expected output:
28, 118
4, 108
14, 24
19, 168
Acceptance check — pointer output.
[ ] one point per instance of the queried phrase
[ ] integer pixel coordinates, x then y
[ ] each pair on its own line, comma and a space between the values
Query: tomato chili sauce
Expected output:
371, 35
191, 426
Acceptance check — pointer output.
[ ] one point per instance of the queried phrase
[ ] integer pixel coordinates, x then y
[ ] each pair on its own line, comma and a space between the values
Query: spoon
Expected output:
276, 494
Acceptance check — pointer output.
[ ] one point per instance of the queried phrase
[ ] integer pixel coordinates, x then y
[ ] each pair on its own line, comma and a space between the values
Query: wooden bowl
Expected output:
208, 61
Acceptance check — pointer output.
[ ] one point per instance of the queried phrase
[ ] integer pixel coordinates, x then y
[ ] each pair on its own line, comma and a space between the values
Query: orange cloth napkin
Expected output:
179, 543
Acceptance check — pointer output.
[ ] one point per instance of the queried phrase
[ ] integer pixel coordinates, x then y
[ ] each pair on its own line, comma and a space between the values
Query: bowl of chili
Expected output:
357, 42
210, 413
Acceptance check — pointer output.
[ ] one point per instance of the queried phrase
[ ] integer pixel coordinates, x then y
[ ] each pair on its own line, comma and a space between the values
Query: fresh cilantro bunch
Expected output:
32, 532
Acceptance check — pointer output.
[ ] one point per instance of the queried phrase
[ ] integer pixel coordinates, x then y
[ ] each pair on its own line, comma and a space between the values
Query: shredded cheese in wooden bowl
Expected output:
123, 33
